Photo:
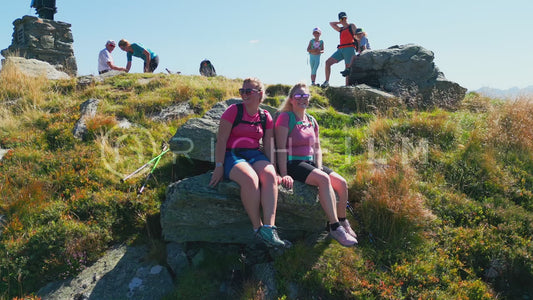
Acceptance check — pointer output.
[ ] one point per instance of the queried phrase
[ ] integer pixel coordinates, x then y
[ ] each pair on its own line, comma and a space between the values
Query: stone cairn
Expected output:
44, 40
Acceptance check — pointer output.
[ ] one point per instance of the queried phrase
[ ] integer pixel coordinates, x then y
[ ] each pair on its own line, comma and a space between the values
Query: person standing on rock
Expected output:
315, 48
105, 59
151, 60
238, 158
300, 158
346, 48
362, 45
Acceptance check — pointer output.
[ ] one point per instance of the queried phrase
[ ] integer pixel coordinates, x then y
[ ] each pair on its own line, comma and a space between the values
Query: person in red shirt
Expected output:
346, 48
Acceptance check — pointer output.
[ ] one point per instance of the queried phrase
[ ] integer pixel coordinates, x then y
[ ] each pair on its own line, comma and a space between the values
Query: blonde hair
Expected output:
287, 105
255, 81
123, 43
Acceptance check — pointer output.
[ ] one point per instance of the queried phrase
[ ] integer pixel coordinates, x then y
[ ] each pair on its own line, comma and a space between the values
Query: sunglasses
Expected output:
248, 92
301, 96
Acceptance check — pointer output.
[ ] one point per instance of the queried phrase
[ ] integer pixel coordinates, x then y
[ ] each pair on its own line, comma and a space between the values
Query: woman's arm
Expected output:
268, 145
335, 25
128, 66
281, 144
318, 154
224, 130
147, 61
317, 147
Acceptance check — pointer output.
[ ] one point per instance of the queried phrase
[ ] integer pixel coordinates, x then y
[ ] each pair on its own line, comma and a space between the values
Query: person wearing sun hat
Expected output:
347, 46
315, 48
105, 60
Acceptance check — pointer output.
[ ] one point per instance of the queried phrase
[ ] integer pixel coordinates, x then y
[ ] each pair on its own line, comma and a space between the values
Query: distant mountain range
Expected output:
507, 94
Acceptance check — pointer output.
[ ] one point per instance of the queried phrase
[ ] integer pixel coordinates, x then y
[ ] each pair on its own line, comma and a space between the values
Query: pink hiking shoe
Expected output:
348, 228
341, 236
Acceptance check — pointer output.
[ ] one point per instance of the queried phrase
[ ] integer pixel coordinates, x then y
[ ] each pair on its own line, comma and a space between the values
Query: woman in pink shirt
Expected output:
238, 158
300, 158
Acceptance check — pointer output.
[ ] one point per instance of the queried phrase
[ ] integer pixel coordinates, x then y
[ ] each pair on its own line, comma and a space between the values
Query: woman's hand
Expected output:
217, 176
287, 181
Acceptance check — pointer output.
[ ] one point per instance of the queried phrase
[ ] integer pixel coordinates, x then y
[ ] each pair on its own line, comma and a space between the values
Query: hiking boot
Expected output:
325, 84
346, 72
348, 229
269, 236
341, 236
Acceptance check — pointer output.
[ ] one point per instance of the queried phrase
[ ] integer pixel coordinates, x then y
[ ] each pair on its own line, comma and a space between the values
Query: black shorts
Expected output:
153, 64
300, 169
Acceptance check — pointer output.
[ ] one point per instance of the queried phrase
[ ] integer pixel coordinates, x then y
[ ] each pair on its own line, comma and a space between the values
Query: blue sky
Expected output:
476, 43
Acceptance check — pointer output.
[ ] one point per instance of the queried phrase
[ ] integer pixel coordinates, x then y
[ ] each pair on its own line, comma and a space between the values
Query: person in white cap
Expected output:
315, 48
105, 60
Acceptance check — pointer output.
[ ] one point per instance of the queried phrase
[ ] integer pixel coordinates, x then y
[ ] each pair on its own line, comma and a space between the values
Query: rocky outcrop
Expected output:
88, 110
193, 211
361, 99
408, 72
122, 273
35, 68
44, 40
173, 112
3, 152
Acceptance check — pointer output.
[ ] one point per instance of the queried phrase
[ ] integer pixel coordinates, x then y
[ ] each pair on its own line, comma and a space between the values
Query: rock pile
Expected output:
44, 40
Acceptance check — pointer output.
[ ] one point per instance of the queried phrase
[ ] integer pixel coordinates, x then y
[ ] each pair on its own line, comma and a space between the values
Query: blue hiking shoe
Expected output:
269, 236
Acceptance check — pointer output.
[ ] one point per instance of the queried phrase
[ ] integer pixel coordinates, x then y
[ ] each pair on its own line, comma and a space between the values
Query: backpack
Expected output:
355, 42
293, 123
207, 69
240, 112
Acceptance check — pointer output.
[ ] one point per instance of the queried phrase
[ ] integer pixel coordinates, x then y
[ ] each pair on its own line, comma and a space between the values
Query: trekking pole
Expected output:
165, 150
149, 176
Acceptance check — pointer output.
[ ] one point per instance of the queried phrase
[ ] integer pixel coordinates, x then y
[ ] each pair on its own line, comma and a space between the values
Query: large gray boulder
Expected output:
197, 137
193, 211
408, 72
35, 68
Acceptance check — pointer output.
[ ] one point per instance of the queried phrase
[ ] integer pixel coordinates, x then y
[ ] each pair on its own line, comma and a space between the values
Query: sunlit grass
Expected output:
441, 198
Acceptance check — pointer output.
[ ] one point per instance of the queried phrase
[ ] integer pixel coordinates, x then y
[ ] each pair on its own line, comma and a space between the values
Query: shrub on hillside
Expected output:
278, 90
390, 208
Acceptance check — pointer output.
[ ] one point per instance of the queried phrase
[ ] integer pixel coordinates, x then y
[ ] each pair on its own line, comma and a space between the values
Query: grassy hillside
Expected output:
443, 200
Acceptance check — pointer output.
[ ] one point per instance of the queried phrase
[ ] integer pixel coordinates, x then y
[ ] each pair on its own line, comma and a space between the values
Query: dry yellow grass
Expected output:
391, 208
16, 86
512, 124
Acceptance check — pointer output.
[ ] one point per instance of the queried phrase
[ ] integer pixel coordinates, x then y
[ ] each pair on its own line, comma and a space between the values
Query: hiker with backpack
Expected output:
362, 45
238, 158
151, 60
346, 48
300, 158
315, 48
